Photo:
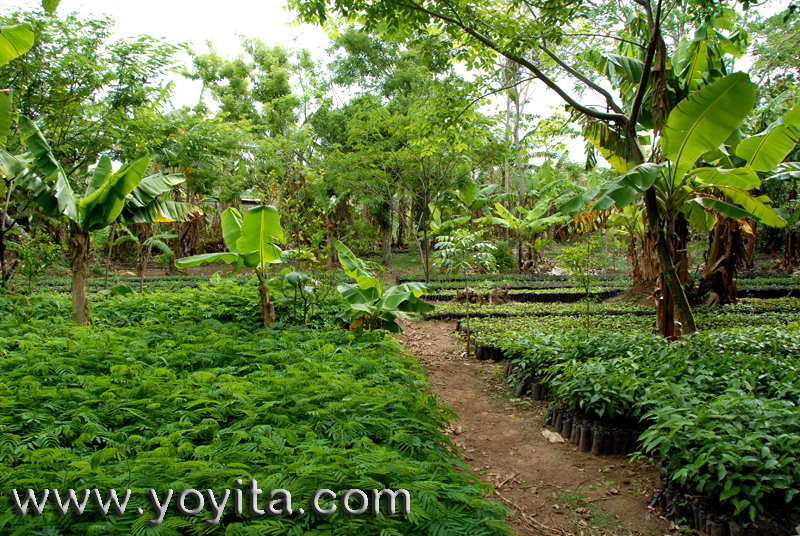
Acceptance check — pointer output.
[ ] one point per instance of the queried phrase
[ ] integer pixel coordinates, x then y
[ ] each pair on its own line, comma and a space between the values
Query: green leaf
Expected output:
50, 6
356, 268
5, 115
261, 228
106, 192
579, 201
764, 213
744, 178
356, 295
151, 187
705, 119
767, 149
9, 165
231, 228
14, 41
33, 140
629, 187
188, 262
159, 212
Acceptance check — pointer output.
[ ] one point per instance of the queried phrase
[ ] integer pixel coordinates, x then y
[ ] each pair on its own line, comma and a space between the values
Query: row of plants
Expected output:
527, 309
719, 407
186, 390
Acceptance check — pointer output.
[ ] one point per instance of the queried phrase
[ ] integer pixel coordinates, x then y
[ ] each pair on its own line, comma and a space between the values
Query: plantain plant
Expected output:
370, 306
124, 196
251, 243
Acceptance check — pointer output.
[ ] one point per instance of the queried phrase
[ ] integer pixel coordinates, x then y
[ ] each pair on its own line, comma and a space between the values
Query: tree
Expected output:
462, 252
89, 94
490, 28
251, 243
125, 196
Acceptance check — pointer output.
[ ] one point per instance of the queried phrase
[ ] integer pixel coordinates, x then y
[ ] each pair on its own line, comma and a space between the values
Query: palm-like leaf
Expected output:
705, 119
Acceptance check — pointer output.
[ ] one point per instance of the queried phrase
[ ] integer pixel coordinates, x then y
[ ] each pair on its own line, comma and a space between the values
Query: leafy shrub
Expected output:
187, 394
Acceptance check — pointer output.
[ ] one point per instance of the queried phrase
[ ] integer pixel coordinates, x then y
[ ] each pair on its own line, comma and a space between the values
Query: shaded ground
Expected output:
552, 488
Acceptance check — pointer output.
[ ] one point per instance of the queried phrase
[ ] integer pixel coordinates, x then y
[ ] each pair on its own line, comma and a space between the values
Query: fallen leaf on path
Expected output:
552, 437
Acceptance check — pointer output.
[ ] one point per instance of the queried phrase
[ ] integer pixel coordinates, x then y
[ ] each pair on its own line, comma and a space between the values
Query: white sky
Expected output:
197, 22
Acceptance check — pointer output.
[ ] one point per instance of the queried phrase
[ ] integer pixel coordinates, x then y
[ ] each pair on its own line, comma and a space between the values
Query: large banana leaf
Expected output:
5, 115
743, 178
404, 298
14, 41
261, 229
231, 228
611, 145
105, 195
188, 262
10, 166
628, 188
767, 149
33, 140
698, 215
159, 212
357, 269
357, 296
54, 195
151, 187
705, 119
762, 212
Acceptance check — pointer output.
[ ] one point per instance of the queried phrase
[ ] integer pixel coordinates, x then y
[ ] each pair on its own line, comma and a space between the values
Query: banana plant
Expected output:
529, 225
144, 248
370, 306
124, 196
252, 243
707, 173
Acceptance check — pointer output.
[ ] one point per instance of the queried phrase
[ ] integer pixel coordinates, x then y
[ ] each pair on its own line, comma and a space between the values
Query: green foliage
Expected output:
464, 251
175, 393
370, 306
721, 406
35, 257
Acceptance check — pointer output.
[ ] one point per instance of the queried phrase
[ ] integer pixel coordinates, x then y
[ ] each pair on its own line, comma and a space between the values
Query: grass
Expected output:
588, 516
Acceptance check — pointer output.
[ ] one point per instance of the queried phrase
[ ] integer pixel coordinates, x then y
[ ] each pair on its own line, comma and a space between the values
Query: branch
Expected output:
621, 119
492, 92
648, 64
609, 99
604, 37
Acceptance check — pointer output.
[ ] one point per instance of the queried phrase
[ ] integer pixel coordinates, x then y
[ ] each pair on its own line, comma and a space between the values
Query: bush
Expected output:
185, 394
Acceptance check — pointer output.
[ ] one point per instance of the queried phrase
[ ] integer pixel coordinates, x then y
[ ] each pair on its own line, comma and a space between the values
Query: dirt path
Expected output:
551, 488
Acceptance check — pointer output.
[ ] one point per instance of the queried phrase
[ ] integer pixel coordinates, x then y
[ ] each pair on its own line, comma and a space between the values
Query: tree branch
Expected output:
609, 99
620, 119
648, 64
603, 36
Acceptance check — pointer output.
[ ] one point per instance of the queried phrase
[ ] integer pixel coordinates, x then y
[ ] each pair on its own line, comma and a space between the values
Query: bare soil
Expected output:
551, 488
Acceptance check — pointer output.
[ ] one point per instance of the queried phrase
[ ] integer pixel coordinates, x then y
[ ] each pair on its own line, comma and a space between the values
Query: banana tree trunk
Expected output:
79, 243
725, 254
267, 309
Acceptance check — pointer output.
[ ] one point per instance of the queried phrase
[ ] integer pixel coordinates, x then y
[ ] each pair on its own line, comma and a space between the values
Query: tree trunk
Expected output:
725, 253
79, 243
636, 272
267, 309
110, 249
400, 222
386, 222
329, 242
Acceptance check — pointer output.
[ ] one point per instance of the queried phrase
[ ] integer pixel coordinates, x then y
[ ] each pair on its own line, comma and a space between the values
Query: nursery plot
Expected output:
177, 391
718, 408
